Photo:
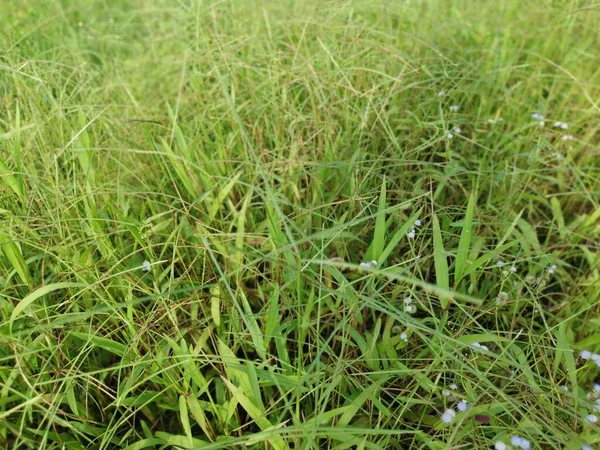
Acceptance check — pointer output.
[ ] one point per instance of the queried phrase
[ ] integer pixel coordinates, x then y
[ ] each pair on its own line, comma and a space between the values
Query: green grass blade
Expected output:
440, 261
464, 243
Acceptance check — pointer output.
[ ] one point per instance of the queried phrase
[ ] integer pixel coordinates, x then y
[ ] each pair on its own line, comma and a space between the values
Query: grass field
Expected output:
312, 224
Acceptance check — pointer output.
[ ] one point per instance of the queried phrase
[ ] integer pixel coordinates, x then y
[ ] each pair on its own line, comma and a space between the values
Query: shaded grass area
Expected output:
255, 154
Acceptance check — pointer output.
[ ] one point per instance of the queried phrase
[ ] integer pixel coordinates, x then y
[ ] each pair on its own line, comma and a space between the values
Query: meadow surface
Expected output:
358, 224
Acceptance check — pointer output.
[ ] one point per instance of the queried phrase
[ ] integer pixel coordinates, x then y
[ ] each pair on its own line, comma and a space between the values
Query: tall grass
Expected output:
188, 190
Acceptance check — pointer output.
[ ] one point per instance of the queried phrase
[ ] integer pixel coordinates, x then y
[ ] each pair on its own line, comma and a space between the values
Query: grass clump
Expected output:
307, 225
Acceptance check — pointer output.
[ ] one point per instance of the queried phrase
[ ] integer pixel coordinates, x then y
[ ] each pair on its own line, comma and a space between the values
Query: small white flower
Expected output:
411, 234
562, 125
499, 445
596, 388
505, 272
479, 346
457, 130
567, 137
449, 136
597, 405
407, 300
404, 337
454, 387
491, 121
586, 447
146, 267
410, 309
596, 359
500, 263
591, 418
537, 116
448, 416
564, 387
462, 406
441, 93
585, 354
513, 269
501, 298
541, 123
368, 264
454, 108
418, 223
446, 393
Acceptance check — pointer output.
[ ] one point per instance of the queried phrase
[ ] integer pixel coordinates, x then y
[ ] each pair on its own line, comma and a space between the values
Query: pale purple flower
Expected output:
448, 416
591, 418
462, 406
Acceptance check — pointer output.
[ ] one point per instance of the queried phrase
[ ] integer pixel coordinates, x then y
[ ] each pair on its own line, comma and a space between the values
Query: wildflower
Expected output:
404, 337
457, 130
368, 264
586, 447
411, 234
585, 354
591, 418
462, 406
146, 267
597, 405
501, 298
500, 263
552, 269
541, 123
564, 387
408, 300
499, 445
441, 93
596, 387
513, 269
454, 108
448, 416
454, 387
505, 272
537, 116
449, 136
418, 223
562, 125
596, 359
567, 137
479, 346
520, 442
446, 393
410, 309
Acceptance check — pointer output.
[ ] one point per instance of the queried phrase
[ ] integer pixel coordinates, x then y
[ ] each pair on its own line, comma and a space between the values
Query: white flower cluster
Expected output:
478, 346
409, 308
539, 118
368, 264
413, 231
561, 125
586, 354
